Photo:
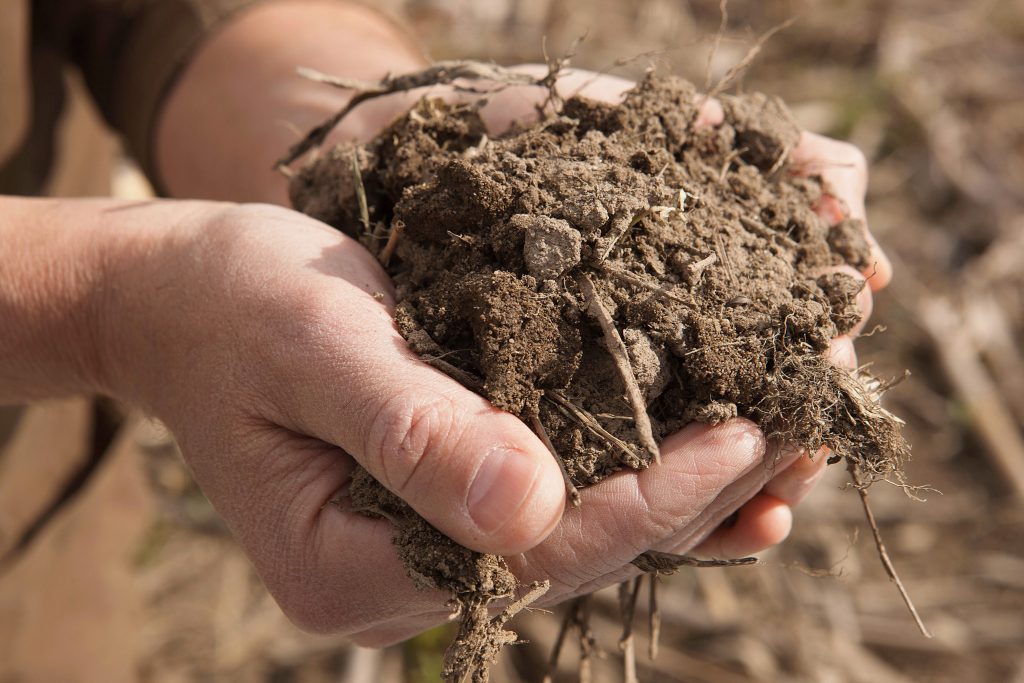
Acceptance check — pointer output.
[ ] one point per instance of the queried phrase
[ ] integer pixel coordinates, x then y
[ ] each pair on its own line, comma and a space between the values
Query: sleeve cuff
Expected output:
156, 51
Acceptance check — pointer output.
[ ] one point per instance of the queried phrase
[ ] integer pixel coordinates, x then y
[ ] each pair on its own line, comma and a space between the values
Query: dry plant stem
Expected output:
719, 34
586, 640
763, 231
726, 260
653, 616
748, 59
628, 591
364, 211
440, 73
573, 411
635, 279
991, 420
883, 554
570, 489
464, 378
698, 268
617, 349
568, 620
620, 224
667, 563
537, 589
392, 243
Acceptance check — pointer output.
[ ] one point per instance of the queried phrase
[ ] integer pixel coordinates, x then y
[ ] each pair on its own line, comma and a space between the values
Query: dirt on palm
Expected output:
608, 275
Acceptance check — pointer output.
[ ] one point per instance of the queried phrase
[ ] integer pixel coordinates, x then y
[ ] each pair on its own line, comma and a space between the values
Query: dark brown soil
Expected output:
700, 246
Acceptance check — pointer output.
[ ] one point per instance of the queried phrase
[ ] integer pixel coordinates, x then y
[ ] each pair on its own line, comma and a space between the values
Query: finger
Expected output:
401, 629
843, 170
706, 474
476, 473
794, 483
761, 523
329, 363
518, 104
710, 114
842, 353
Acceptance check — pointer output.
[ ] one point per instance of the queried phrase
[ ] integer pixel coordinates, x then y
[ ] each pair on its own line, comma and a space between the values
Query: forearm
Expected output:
51, 282
239, 103
62, 276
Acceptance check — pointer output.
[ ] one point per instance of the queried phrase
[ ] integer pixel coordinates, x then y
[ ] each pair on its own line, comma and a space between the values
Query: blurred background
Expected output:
123, 573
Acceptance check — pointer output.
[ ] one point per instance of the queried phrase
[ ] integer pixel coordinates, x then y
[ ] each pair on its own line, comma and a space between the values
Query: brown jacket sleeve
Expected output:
130, 52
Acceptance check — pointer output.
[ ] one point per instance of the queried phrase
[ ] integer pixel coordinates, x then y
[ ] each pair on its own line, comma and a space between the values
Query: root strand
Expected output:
883, 554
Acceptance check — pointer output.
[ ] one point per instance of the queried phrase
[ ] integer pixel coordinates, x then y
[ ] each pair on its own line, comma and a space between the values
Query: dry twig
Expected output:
439, 73
364, 211
628, 591
570, 489
634, 279
748, 58
620, 224
617, 349
653, 616
990, 418
667, 563
573, 411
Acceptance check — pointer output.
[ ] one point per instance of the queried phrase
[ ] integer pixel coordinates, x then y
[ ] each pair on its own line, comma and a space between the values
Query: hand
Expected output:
271, 441
265, 341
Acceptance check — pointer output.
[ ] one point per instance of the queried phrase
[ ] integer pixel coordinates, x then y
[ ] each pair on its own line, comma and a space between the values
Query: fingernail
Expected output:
500, 487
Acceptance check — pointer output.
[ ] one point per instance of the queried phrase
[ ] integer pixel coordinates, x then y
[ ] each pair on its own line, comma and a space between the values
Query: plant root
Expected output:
482, 637
883, 554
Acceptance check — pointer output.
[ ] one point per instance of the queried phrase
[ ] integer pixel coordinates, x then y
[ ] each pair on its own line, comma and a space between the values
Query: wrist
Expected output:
52, 297
148, 287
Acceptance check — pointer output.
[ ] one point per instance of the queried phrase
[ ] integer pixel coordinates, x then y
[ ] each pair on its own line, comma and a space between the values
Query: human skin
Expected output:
264, 340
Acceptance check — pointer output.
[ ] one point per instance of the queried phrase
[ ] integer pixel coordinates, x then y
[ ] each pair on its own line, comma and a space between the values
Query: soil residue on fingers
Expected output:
615, 273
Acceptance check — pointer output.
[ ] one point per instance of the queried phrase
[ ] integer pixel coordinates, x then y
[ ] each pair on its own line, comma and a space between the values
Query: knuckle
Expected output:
404, 431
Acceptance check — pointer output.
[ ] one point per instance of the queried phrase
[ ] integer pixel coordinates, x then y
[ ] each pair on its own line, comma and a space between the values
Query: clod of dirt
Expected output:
550, 246
616, 273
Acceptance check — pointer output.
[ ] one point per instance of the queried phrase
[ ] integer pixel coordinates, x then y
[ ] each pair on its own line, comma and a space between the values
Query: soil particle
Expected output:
550, 246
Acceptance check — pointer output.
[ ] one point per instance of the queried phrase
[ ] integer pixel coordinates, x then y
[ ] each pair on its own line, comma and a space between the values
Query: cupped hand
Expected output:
265, 341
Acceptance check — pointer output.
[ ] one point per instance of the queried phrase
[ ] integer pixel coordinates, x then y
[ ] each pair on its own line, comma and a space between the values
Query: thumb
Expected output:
476, 473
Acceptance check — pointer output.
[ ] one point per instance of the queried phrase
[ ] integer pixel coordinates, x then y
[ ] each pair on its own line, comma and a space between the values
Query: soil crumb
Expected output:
703, 248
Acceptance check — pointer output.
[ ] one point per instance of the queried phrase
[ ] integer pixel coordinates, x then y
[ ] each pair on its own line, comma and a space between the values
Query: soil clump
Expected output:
609, 275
